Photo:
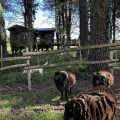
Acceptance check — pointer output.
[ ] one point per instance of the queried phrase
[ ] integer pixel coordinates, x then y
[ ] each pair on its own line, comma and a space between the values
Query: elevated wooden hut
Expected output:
43, 38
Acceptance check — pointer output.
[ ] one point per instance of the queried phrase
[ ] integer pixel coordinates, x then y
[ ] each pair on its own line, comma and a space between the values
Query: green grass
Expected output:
16, 100
12, 98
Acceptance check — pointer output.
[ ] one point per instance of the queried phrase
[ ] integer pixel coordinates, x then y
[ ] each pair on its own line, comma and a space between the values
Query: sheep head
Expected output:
99, 78
60, 75
69, 106
75, 108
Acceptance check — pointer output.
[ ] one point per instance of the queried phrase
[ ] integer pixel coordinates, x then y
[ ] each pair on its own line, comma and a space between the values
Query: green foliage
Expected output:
117, 5
16, 76
1, 10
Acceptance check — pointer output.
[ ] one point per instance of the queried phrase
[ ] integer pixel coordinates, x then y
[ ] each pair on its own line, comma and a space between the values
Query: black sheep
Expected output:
64, 81
99, 104
103, 77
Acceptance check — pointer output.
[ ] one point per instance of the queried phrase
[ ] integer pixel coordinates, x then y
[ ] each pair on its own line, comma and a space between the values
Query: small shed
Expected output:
43, 38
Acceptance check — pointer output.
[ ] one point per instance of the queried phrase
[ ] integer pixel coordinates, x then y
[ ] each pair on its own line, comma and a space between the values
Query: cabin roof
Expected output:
17, 28
44, 29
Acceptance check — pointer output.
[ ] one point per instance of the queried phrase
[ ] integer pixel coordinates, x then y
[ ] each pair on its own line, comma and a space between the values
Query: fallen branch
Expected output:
46, 108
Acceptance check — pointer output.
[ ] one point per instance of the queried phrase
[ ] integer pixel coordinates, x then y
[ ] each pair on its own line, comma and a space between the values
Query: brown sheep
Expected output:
64, 81
99, 104
103, 77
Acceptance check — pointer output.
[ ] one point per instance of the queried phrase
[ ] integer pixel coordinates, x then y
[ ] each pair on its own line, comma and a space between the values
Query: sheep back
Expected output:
99, 104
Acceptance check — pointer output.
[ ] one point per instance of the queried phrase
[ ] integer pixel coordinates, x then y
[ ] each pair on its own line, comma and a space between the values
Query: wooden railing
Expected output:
27, 56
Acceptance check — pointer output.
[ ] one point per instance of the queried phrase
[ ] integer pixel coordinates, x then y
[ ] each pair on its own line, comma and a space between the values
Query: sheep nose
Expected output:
97, 83
64, 118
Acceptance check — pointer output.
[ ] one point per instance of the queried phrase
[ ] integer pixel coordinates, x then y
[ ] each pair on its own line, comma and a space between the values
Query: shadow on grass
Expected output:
21, 104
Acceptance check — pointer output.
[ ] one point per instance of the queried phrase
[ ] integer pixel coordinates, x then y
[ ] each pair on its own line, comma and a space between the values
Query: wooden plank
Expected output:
69, 49
111, 57
13, 66
114, 48
28, 73
15, 58
114, 64
71, 63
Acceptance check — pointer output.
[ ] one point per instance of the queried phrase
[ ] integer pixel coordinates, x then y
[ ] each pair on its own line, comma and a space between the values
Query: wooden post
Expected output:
37, 51
80, 50
111, 57
1, 57
28, 73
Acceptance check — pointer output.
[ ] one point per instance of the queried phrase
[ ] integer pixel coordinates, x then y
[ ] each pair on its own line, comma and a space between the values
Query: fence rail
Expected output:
13, 66
70, 49
114, 64
71, 63
15, 58
27, 56
114, 48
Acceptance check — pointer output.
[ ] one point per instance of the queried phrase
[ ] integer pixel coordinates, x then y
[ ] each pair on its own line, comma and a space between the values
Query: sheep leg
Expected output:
70, 91
66, 94
61, 95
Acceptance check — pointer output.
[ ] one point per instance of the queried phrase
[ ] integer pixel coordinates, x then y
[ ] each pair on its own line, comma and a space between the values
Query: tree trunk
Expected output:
69, 26
98, 32
114, 31
57, 22
63, 26
83, 25
30, 5
113, 17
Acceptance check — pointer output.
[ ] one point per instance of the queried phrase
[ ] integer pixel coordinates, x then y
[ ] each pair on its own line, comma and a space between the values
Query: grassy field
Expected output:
43, 101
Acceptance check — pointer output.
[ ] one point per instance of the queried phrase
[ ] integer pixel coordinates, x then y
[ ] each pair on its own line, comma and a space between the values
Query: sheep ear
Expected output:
56, 72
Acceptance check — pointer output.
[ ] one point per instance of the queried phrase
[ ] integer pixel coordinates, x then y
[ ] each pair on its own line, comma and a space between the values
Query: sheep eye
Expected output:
103, 79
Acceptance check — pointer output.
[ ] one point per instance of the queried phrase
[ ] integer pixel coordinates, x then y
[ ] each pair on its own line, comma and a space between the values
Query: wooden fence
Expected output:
27, 56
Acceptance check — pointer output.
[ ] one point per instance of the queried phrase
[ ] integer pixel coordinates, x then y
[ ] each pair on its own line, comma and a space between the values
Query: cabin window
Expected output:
24, 37
38, 39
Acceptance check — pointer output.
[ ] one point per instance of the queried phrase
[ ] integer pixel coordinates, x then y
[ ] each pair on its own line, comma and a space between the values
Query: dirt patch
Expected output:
81, 86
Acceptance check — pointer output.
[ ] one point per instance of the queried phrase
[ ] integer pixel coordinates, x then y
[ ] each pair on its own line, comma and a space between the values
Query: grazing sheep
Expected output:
99, 104
103, 77
64, 81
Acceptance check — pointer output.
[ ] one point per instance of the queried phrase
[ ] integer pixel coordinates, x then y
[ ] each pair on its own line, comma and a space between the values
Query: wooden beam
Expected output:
114, 48
71, 63
15, 58
13, 66
114, 64
69, 49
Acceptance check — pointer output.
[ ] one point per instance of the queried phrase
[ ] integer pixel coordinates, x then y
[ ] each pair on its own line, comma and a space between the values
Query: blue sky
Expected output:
44, 21
41, 21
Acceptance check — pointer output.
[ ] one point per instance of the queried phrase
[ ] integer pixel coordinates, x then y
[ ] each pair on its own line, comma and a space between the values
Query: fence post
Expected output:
80, 50
111, 57
28, 73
